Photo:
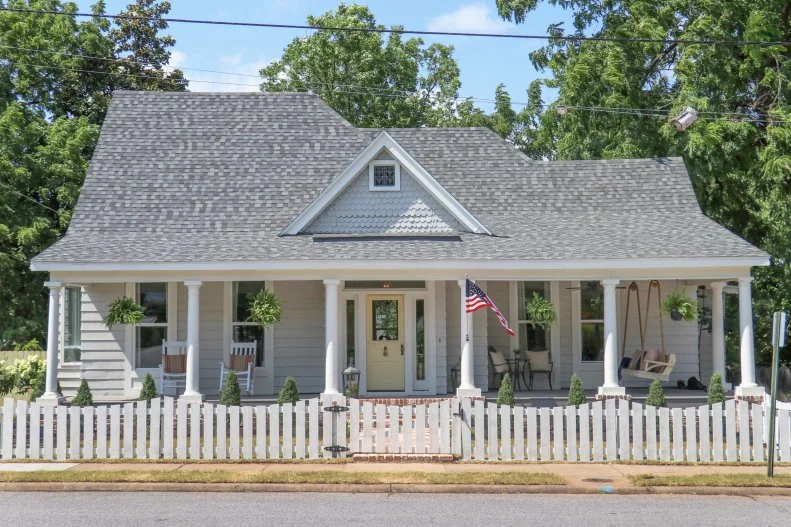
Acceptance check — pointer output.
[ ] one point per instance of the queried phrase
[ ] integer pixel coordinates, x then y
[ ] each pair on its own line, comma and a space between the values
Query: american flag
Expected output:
476, 299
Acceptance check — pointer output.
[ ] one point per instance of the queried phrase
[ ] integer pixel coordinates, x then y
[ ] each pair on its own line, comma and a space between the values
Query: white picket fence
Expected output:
469, 429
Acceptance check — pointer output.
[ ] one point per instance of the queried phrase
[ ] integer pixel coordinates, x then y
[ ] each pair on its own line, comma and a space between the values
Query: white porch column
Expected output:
718, 329
748, 386
610, 387
467, 382
50, 396
331, 337
191, 391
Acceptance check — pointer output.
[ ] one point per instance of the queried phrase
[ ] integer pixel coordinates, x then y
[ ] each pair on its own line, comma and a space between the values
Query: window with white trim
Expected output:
242, 329
591, 315
531, 338
153, 329
384, 175
72, 320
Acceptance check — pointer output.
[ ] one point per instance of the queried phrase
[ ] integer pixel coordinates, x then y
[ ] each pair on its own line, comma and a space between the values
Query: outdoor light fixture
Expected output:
351, 380
685, 119
562, 110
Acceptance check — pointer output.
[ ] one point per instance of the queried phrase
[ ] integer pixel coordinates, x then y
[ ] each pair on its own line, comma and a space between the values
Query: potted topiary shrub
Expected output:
656, 395
124, 311
540, 311
231, 395
680, 307
149, 389
84, 396
505, 395
576, 392
716, 390
289, 393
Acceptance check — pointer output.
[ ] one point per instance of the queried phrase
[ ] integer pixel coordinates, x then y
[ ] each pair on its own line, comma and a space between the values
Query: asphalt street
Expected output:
121, 509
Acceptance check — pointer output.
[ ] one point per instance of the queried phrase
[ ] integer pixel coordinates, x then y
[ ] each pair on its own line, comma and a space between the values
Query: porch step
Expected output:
406, 458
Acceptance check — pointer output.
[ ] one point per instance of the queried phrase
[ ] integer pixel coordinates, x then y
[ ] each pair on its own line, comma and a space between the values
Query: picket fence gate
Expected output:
469, 429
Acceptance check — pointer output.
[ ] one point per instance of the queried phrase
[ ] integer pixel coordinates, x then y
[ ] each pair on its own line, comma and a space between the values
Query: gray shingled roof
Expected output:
212, 177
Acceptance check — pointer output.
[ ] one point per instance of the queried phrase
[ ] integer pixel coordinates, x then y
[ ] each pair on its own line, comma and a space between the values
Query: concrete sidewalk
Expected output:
580, 477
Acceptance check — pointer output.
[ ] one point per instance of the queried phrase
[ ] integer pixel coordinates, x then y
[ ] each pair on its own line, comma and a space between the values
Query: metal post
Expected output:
778, 340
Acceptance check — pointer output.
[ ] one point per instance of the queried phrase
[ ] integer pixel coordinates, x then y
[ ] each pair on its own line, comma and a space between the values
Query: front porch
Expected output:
413, 328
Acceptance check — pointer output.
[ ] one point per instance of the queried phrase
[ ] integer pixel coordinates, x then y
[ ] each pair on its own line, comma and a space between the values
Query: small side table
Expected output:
519, 372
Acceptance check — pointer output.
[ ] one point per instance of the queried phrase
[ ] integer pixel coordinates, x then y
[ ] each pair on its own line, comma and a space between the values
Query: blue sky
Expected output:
484, 62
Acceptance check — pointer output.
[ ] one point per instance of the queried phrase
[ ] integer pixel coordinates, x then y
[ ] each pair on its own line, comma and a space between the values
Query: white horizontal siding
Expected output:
104, 364
443, 380
299, 338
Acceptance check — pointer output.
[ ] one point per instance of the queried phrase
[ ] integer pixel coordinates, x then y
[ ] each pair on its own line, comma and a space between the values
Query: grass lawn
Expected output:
712, 480
330, 477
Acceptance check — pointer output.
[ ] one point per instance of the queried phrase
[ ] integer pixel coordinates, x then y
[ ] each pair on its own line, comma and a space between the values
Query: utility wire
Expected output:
361, 90
571, 38
15, 191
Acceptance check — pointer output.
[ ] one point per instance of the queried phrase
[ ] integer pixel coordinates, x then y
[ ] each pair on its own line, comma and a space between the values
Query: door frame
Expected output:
411, 386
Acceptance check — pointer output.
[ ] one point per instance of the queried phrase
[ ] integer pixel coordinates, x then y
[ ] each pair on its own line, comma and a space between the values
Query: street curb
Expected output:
384, 488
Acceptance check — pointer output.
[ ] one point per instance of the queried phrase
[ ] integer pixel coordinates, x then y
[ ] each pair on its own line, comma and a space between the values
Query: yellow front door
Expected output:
384, 351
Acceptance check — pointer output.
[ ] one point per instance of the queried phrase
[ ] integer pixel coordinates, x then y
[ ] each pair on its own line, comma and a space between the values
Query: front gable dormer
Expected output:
384, 191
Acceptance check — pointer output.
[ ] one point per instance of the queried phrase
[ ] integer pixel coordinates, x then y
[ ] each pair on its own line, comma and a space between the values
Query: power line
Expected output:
361, 90
571, 38
15, 191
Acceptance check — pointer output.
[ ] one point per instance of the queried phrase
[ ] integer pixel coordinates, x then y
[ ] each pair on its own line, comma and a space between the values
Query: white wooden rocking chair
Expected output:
639, 365
173, 368
242, 362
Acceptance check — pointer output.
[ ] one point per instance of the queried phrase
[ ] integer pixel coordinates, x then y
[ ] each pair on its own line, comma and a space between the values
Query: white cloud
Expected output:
238, 74
469, 18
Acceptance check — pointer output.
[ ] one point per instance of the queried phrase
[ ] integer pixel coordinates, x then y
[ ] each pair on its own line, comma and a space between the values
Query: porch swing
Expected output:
647, 364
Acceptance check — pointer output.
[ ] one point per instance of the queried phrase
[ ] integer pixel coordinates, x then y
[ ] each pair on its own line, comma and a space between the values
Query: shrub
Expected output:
576, 392
289, 392
149, 389
231, 395
7, 378
656, 395
716, 390
505, 395
31, 345
30, 373
84, 396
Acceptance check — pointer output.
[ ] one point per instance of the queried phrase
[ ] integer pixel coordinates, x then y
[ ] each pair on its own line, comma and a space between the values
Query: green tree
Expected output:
505, 395
738, 156
576, 392
56, 78
716, 390
656, 395
289, 393
231, 395
149, 389
84, 396
370, 79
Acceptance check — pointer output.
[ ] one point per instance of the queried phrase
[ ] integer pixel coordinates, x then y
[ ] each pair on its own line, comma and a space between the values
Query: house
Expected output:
194, 200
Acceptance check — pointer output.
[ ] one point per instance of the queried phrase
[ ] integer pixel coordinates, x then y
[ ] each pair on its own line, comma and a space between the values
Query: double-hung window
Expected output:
72, 320
531, 338
243, 329
153, 329
592, 321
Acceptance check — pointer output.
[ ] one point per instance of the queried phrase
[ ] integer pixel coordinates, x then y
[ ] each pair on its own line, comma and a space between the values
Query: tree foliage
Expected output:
656, 395
231, 394
738, 156
716, 390
289, 393
149, 389
84, 397
374, 80
576, 392
57, 74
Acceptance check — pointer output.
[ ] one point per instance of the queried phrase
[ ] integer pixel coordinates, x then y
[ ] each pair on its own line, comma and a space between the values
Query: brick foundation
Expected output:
409, 401
405, 458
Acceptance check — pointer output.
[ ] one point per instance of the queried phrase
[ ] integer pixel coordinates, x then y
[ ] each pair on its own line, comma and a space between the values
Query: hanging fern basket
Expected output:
124, 311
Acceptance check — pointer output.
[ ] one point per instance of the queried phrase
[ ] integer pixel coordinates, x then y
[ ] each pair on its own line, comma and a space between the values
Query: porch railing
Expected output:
609, 431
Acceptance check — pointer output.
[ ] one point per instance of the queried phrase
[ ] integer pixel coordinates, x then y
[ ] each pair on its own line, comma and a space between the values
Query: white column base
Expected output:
49, 399
468, 392
749, 392
612, 391
191, 397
